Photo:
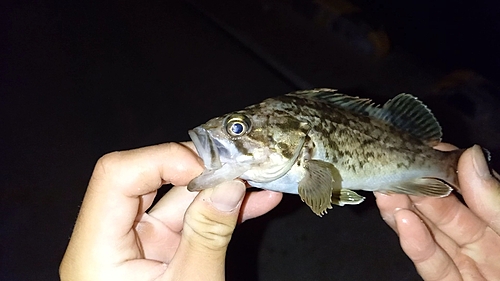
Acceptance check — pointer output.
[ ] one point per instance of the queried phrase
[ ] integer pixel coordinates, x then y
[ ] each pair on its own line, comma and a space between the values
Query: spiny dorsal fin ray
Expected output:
404, 112
355, 104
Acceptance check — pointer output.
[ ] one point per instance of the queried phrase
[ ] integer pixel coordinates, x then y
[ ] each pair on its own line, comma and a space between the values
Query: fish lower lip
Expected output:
206, 148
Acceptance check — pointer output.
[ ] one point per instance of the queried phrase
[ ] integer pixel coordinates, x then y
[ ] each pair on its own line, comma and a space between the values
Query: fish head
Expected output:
253, 144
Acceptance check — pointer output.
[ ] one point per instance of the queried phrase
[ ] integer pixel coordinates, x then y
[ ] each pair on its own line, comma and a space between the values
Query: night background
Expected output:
78, 80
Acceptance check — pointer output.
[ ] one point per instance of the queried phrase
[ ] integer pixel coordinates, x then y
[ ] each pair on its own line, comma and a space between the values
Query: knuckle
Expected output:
108, 162
207, 233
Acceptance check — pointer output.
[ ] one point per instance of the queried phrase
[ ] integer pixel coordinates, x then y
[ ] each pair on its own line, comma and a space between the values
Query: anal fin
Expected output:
425, 186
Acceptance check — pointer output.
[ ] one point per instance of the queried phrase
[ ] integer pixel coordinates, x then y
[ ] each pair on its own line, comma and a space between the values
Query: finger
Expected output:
170, 209
190, 145
257, 203
431, 261
162, 226
481, 191
451, 217
445, 147
208, 225
121, 177
113, 197
389, 204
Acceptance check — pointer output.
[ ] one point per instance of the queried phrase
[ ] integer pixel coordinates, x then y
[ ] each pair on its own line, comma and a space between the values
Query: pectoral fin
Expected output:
322, 186
433, 187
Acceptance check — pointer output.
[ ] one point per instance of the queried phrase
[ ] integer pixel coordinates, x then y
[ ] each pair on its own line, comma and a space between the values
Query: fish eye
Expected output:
237, 125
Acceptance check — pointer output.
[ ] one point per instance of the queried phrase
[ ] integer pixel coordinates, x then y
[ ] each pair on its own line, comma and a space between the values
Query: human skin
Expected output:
183, 237
445, 239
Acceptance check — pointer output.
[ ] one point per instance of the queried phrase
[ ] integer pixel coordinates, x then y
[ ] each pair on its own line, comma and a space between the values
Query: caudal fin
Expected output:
452, 158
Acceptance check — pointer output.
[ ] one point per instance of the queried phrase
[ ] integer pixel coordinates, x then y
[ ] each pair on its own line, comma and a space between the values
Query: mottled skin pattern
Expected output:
363, 149
283, 136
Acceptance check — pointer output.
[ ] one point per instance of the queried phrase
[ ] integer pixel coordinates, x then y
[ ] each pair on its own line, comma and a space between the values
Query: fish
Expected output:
324, 146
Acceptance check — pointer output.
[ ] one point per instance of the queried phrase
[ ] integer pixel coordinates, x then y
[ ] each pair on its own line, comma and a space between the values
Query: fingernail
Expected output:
226, 196
479, 163
379, 194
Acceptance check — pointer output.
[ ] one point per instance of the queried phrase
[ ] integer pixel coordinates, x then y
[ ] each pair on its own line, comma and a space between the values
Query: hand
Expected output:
445, 239
184, 236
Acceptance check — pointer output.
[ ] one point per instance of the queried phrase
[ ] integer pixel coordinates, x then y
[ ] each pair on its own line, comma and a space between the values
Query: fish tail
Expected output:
452, 158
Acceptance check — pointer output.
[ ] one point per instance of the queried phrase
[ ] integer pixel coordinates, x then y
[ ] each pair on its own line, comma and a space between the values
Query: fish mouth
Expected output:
207, 147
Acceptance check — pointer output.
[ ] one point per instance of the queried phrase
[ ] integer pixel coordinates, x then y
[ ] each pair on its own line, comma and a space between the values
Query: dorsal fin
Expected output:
404, 112
355, 104
409, 114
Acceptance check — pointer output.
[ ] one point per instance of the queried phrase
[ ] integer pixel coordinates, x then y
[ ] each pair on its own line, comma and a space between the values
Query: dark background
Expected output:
79, 80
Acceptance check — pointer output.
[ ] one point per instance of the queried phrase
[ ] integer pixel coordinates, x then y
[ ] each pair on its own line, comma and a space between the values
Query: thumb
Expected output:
209, 223
480, 186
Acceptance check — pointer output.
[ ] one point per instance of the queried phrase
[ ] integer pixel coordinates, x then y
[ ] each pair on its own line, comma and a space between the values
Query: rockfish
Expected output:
324, 145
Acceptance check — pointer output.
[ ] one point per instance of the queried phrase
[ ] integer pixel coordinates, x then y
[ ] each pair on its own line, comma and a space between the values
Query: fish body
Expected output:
324, 145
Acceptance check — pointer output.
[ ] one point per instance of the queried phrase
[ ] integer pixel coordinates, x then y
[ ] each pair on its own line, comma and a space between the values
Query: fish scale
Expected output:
355, 139
324, 145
